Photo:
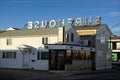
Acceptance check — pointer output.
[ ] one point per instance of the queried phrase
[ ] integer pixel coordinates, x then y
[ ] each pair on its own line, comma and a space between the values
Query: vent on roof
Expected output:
11, 28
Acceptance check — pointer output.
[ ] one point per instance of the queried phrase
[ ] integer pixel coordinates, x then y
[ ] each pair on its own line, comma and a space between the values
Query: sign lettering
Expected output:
62, 23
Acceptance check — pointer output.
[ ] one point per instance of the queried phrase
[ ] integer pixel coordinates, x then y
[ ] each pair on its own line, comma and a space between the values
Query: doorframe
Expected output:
56, 50
24, 60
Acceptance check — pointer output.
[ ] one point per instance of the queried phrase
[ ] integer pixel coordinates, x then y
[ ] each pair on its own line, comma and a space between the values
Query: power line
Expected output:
116, 25
116, 32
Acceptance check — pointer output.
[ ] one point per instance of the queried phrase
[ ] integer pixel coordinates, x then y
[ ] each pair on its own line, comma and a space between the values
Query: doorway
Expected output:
26, 60
57, 60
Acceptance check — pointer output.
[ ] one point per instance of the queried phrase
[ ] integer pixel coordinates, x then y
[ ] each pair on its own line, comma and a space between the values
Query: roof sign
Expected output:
62, 23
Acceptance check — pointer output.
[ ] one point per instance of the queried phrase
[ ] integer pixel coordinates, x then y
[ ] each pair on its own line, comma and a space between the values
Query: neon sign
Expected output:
62, 23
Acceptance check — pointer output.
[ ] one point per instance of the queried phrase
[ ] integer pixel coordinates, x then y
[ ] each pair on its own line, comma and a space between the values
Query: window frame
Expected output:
9, 55
45, 40
9, 41
67, 37
72, 37
40, 57
103, 38
44, 58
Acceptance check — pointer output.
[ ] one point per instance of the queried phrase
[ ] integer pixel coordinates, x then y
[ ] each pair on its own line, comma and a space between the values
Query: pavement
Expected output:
20, 74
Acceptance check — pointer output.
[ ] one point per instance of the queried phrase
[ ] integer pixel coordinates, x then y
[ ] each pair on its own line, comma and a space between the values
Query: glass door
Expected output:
61, 60
52, 60
57, 60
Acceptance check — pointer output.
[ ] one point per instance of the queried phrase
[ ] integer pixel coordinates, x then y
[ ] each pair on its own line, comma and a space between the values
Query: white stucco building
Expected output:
25, 48
50, 49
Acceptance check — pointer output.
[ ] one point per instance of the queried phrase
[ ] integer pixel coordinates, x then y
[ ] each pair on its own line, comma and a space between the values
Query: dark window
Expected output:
38, 57
3, 54
9, 42
44, 55
67, 37
89, 43
72, 37
45, 40
42, 40
114, 45
9, 54
14, 55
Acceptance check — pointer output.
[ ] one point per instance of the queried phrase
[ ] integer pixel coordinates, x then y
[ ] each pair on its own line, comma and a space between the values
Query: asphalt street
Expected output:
15, 74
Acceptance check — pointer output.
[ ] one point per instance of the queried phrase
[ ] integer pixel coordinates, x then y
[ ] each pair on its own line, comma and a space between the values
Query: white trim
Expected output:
69, 47
24, 36
115, 50
117, 40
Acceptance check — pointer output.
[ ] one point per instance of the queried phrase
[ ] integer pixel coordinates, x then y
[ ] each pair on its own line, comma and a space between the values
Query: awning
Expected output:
67, 47
24, 48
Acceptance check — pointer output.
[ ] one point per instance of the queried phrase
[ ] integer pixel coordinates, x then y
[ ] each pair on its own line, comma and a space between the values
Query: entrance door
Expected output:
57, 60
26, 60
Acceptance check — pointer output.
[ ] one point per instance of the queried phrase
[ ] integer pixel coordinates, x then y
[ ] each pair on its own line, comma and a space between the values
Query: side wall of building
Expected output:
35, 42
103, 53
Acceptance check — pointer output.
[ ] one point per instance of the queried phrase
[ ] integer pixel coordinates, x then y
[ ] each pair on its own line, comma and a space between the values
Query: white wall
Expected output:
34, 42
103, 53
76, 36
11, 63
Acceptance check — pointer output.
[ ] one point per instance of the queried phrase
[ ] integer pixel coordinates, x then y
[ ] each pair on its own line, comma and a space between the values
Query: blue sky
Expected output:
16, 13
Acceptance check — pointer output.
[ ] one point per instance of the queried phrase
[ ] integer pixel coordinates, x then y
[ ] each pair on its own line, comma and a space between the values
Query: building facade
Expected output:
64, 48
114, 44
97, 36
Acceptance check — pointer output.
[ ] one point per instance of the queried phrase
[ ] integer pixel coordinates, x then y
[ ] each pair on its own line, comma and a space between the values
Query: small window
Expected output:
3, 55
109, 45
67, 37
44, 55
9, 42
38, 56
42, 40
118, 45
103, 38
72, 37
9, 55
14, 55
45, 40
114, 45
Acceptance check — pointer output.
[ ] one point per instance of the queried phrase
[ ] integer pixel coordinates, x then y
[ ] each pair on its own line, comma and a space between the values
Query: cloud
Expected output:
114, 14
116, 28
